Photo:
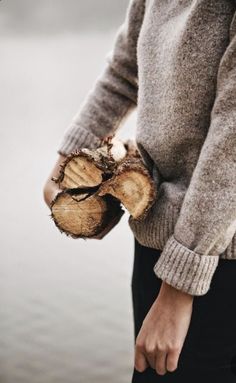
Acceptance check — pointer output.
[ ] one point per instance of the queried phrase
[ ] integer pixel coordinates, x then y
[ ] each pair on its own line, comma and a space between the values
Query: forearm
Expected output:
114, 94
163, 331
109, 102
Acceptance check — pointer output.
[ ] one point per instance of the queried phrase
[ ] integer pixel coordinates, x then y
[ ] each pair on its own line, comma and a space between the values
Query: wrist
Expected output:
171, 293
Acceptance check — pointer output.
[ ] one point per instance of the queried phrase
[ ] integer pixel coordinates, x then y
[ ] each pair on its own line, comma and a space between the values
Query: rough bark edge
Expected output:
132, 163
100, 156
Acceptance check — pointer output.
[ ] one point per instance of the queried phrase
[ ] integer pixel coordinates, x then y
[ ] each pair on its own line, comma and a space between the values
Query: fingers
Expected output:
49, 193
166, 361
172, 359
151, 357
160, 365
140, 361
160, 359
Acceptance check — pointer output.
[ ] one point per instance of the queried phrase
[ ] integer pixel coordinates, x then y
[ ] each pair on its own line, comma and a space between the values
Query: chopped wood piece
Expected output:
132, 185
89, 167
84, 215
81, 169
94, 184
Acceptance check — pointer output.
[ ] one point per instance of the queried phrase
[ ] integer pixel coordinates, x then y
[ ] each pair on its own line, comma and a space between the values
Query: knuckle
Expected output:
175, 348
161, 347
139, 345
150, 349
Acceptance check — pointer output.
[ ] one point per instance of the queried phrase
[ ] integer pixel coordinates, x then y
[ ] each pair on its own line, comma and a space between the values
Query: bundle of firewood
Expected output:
96, 183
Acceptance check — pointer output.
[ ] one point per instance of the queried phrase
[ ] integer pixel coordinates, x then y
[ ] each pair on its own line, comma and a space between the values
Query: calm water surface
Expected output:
65, 304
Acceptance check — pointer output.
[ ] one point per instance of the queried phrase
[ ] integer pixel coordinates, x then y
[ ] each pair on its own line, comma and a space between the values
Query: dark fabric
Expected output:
209, 351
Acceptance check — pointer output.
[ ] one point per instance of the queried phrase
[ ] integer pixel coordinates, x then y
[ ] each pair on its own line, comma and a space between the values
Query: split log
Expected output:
96, 182
89, 167
132, 184
84, 215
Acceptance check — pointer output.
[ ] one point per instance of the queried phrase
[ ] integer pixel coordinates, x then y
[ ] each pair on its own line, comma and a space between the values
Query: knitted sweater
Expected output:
175, 60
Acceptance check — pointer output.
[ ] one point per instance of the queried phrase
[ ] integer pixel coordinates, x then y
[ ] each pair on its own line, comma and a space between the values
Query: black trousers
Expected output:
209, 351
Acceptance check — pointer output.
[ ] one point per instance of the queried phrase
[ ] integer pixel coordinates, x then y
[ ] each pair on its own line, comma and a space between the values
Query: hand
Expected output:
163, 331
51, 188
50, 192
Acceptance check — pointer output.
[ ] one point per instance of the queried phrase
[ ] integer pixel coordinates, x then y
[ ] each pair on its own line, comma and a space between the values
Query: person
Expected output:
175, 62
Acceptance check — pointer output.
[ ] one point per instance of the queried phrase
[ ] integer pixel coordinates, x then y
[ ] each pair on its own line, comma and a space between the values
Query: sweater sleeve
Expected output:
114, 93
207, 220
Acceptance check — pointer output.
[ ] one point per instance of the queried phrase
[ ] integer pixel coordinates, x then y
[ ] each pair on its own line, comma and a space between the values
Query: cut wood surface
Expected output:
84, 215
132, 185
96, 182
81, 169
87, 168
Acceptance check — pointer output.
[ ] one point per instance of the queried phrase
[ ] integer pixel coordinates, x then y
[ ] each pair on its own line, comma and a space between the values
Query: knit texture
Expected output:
186, 270
175, 62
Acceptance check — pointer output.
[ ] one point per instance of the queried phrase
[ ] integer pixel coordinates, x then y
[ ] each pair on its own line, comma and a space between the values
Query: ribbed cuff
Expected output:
184, 269
77, 137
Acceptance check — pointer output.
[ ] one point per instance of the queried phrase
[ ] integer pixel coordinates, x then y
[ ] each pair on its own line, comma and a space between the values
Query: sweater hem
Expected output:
158, 226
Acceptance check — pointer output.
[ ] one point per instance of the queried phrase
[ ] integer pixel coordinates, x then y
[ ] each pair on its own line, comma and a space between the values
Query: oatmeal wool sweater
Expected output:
175, 60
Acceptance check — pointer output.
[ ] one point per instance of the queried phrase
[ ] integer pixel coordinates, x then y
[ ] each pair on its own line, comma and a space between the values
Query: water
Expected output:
65, 304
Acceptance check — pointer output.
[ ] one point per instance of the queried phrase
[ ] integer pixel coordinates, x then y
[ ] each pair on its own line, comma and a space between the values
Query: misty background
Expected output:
65, 304
59, 16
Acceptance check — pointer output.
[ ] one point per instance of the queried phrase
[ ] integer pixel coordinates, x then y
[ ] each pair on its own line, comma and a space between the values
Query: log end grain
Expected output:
84, 215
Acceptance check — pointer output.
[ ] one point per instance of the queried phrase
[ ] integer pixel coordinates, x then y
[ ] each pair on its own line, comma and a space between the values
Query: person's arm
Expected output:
114, 94
204, 229
207, 221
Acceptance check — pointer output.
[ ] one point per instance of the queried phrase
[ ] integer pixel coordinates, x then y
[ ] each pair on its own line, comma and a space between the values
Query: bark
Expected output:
95, 183
132, 184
